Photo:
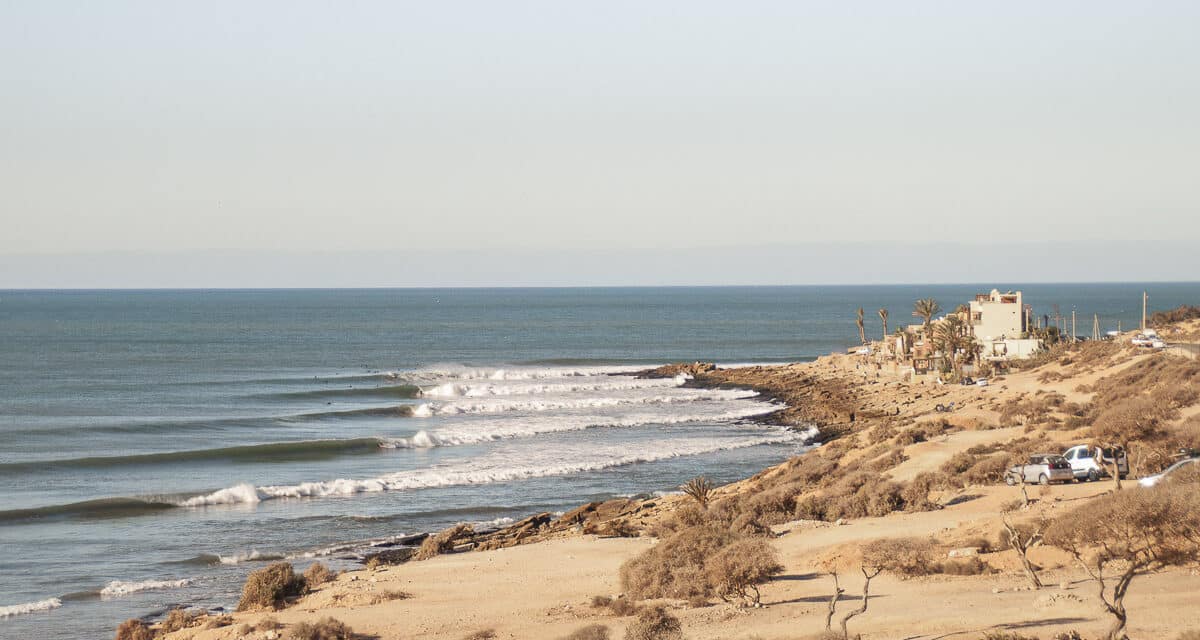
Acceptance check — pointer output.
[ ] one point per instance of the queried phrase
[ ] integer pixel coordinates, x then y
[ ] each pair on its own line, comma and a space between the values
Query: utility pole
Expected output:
1144, 298
1072, 325
1095, 326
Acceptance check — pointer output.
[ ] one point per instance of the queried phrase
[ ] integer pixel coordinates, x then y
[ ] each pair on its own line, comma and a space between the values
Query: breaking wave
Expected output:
560, 404
118, 588
490, 431
461, 390
492, 469
30, 607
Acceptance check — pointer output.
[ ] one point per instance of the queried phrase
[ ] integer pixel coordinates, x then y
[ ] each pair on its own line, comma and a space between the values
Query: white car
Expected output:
1093, 463
1042, 468
1188, 464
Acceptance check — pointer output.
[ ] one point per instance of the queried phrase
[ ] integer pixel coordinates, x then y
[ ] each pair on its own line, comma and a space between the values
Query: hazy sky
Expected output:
523, 126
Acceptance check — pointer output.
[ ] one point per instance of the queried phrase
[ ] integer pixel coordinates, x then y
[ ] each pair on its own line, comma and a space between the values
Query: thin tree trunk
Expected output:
837, 593
863, 607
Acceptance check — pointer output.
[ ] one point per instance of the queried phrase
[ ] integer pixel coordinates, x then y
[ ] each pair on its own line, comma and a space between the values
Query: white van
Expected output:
1092, 463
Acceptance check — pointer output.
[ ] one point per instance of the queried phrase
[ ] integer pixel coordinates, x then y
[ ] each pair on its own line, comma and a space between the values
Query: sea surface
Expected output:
155, 446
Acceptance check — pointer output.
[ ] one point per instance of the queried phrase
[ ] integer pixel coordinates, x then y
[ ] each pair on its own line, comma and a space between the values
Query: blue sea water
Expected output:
155, 446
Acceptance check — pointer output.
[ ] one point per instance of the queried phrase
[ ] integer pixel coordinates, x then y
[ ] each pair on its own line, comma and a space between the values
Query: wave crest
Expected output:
118, 588
30, 607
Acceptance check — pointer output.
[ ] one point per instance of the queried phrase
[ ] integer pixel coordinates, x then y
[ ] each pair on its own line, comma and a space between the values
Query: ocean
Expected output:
156, 446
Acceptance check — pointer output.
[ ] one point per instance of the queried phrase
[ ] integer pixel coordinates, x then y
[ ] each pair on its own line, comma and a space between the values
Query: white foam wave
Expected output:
461, 390
250, 556
567, 403
30, 607
503, 429
244, 493
520, 373
498, 467
118, 588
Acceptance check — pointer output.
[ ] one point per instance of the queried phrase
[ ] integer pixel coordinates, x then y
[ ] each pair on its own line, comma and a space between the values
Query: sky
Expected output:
166, 143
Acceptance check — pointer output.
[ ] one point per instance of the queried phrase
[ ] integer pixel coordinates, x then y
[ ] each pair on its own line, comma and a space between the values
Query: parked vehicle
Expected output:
1180, 468
1092, 463
1042, 468
982, 382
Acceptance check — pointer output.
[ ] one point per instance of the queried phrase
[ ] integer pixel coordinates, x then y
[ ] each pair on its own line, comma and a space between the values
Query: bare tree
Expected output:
1022, 537
1127, 421
1130, 533
883, 317
833, 600
859, 319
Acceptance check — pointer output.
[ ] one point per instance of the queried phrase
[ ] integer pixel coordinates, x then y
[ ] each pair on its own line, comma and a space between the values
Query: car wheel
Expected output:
1042, 479
1093, 475
1009, 480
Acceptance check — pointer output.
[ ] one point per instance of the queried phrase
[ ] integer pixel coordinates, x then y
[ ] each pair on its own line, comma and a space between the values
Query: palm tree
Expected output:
883, 315
858, 320
926, 308
951, 338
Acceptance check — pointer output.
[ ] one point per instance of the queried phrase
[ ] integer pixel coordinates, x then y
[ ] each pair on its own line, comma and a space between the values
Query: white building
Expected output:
998, 316
999, 322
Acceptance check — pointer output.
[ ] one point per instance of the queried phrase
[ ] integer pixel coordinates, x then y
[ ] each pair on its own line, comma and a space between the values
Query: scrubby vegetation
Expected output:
482, 634
179, 619
318, 574
1182, 313
702, 555
590, 632
269, 588
699, 489
735, 571
655, 623
134, 629
324, 629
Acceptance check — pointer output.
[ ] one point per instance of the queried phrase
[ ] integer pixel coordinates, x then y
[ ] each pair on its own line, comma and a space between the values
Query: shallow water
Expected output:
157, 445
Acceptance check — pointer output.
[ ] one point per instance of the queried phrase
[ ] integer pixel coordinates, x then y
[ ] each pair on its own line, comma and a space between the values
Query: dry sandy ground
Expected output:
543, 590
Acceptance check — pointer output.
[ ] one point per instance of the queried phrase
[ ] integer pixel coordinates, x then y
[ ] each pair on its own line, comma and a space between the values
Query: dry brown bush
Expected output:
857, 495
735, 571
675, 567
590, 632
601, 602
388, 596
443, 541
318, 574
177, 619
622, 607
216, 622
134, 629
270, 587
483, 634
324, 629
972, 566
907, 557
655, 623
916, 493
